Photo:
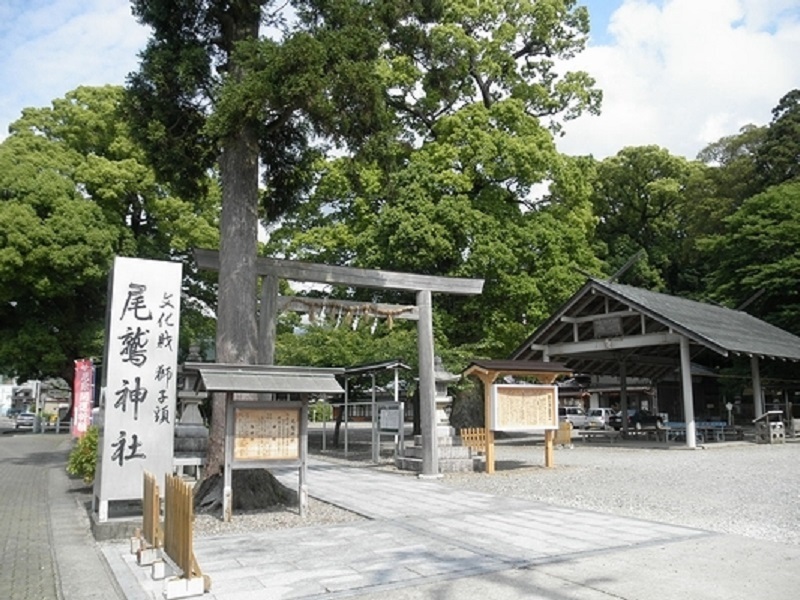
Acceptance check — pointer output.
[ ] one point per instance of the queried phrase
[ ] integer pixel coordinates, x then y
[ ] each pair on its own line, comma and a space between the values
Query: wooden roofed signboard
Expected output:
510, 409
266, 432
260, 434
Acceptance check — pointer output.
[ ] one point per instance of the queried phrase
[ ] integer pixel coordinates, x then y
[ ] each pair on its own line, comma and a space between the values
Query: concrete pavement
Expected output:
422, 540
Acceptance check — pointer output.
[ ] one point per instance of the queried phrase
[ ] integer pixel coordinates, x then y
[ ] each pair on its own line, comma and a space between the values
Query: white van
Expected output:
573, 414
597, 418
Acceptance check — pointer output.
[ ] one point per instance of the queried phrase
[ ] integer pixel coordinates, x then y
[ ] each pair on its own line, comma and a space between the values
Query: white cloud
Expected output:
677, 73
51, 47
683, 73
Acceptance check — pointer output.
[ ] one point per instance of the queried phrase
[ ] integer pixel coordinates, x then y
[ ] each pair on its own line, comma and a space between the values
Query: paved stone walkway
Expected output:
420, 532
424, 540
27, 568
48, 551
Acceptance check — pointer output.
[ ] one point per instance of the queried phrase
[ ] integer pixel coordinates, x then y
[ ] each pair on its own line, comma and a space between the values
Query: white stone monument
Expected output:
137, 412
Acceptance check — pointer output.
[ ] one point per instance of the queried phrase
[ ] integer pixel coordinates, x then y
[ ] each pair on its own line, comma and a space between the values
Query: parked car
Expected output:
598, 418
25, 420
637, 419
12, 413
573, 414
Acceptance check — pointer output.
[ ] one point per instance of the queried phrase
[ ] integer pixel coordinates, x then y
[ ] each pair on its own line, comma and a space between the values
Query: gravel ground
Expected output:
734, 487
280, 517
738, 488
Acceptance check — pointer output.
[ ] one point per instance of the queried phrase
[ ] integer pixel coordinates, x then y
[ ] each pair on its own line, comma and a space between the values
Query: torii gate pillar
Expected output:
427, 386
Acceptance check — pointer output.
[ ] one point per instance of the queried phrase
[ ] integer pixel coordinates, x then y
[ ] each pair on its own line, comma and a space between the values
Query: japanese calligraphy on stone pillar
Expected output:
139, 375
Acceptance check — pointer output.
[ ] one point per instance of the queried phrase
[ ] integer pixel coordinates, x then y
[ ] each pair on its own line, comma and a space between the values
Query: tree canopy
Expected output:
77, 191
451, 188
759, 254
778, 156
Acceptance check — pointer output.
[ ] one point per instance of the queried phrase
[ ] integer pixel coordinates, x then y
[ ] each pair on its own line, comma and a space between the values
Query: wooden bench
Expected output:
715, 431
661, 434
606, 434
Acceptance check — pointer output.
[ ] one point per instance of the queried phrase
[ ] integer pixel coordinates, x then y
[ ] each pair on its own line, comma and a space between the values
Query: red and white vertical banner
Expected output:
82, 396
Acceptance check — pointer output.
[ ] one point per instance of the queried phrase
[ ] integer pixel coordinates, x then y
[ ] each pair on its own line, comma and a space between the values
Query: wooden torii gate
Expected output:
273, 269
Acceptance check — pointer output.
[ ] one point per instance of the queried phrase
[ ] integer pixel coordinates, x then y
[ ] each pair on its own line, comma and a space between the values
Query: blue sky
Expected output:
600, 12
676, 73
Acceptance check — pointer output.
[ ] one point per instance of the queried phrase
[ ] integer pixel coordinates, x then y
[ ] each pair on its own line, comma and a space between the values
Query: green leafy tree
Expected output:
643, 197
75, 191
325, 345
778, 157
476, 96
733, 170
211, 90
758, 257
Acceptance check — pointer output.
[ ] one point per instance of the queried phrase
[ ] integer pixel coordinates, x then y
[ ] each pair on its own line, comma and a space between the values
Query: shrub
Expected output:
83, 458
320, 412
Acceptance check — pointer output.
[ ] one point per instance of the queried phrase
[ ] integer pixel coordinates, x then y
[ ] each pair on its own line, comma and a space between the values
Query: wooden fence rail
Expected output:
151, 513
474, 437
179, 526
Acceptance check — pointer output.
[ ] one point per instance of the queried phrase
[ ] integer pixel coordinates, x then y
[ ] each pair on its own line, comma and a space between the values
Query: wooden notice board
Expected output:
517, 407
266, 434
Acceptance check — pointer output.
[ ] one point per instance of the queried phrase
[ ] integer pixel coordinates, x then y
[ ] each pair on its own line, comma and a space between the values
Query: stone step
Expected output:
467, 465
441, 440
445, 452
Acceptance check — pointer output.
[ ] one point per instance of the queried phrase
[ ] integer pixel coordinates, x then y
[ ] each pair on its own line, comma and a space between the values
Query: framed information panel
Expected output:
390, 416
266, 433
516, 407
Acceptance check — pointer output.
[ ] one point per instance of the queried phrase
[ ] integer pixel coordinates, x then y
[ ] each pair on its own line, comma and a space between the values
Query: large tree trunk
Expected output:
236, 308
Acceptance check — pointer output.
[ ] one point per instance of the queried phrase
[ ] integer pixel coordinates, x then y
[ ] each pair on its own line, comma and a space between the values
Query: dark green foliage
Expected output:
75, 192
448, 191
82, 461
206, 73
639, 197
759, 253
778, 156
330, 346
